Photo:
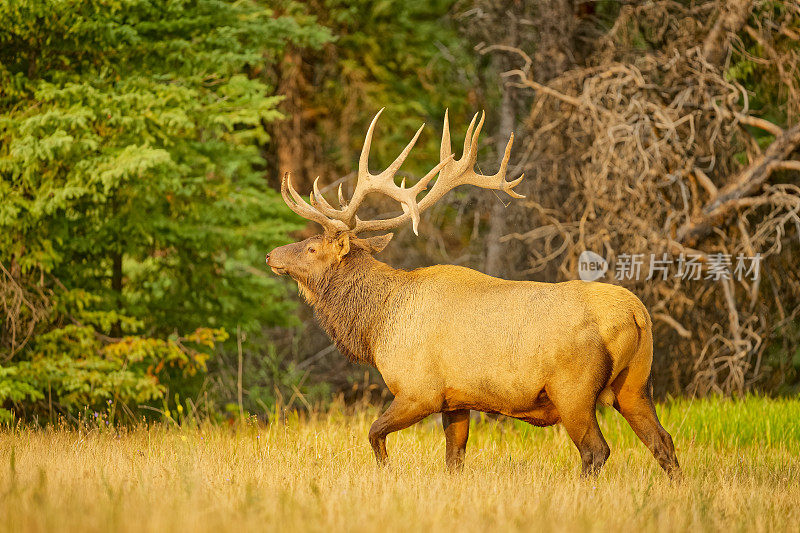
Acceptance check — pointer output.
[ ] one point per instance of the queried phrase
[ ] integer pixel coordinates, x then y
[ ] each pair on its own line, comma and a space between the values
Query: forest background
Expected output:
141, 143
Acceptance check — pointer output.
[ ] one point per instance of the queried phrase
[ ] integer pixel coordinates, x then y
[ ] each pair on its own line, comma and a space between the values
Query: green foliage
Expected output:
767, 69
132, 187
78, 370
404, 55
276, 382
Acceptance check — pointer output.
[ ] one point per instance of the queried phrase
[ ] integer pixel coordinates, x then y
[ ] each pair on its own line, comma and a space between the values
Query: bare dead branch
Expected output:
734, 195
674, 324
733, 16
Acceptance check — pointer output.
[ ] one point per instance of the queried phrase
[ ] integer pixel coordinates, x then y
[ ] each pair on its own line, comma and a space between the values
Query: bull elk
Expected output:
450, 339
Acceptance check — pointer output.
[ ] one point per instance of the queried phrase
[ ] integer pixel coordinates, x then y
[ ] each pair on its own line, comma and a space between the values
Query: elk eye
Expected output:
312, 250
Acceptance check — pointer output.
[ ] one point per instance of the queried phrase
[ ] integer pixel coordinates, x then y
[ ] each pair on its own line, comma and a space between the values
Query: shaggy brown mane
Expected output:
353, 301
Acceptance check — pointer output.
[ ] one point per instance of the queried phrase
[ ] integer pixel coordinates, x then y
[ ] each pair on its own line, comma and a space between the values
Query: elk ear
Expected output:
341, 244
376, 244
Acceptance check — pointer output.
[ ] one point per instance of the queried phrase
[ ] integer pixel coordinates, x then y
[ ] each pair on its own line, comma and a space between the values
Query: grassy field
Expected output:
741, 462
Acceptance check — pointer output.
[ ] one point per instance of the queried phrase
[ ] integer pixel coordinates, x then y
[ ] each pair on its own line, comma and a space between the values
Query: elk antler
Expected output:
299, 206
452, 173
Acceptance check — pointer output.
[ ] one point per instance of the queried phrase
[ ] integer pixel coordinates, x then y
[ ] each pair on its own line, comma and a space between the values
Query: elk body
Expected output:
450, 339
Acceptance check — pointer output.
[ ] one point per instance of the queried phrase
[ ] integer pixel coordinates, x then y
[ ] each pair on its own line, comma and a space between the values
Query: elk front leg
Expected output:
456, 433
401, 413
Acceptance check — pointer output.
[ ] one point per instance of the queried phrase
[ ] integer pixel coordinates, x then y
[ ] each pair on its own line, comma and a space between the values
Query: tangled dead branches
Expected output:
659, 153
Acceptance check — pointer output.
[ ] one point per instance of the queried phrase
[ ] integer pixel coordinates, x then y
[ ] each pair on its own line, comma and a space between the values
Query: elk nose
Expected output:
267, 258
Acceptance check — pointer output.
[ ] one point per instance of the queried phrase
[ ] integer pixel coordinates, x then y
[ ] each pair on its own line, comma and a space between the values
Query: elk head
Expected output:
310, 260
314, 258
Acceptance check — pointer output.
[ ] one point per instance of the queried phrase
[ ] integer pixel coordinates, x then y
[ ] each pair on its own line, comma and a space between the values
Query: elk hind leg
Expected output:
579, 418
456, 432
634, 400
401, 413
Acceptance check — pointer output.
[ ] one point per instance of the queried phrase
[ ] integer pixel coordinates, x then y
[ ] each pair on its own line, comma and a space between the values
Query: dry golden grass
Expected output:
740, 461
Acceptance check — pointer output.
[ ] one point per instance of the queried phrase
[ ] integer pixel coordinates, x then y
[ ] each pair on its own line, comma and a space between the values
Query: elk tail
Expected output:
642, 317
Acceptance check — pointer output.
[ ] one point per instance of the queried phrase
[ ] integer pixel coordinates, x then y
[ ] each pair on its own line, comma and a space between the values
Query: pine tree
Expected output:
134, 203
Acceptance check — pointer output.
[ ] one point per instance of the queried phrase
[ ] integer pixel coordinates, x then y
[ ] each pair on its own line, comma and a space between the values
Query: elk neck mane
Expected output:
355, 299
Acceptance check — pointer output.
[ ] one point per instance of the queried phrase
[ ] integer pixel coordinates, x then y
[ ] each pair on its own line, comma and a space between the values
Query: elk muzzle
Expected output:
277, 270
274, 262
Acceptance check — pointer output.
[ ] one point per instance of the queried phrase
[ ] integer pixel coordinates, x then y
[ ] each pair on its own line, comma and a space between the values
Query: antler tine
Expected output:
299, 206
470, 151
466, 175
420, 186
423, 182
363, 160
469, 154
381, 183
392, 169
508, 186
445, 149
384, 183
319, 202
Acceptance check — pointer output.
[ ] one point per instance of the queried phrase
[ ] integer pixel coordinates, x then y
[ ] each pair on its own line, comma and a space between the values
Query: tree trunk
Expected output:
494, 262
555, 24
288, 133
